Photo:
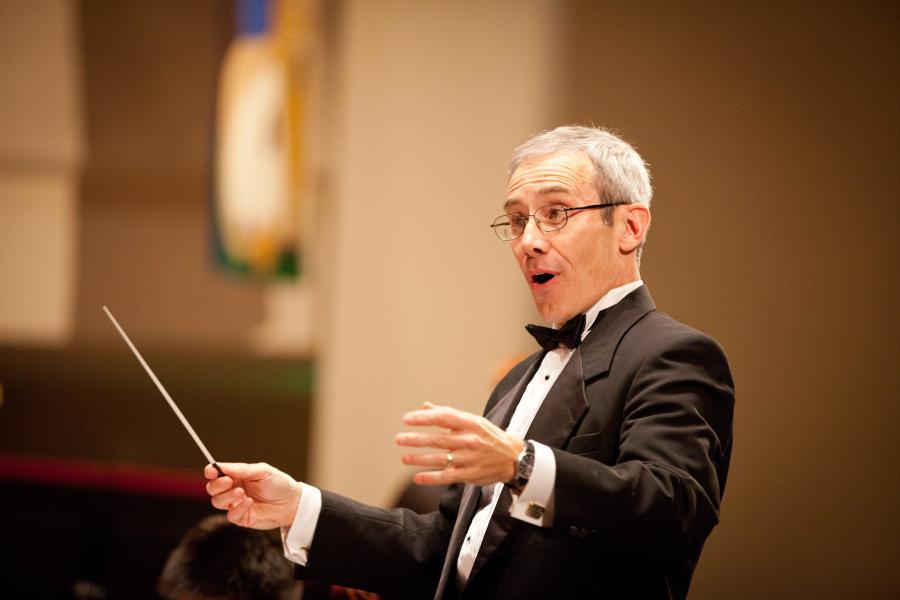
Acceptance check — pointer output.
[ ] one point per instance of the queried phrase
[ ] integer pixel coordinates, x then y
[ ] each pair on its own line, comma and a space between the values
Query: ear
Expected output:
637, 222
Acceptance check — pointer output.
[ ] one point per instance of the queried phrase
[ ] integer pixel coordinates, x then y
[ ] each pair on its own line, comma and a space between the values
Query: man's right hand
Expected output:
257, 496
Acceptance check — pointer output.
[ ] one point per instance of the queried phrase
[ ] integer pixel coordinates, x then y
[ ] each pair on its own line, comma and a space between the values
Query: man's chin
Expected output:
553, 314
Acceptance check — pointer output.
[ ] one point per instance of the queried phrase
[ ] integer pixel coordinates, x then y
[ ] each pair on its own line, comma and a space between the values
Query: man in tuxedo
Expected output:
599, 464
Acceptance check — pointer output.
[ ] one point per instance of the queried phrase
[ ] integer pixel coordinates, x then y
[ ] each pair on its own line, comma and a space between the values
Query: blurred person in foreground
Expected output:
217, 560
598, 467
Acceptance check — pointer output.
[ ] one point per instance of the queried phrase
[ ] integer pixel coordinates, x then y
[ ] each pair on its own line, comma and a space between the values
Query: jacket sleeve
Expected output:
396, 552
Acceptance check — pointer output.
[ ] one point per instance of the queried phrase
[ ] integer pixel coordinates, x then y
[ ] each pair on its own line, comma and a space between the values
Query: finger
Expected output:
218, 486
433, 460
442, 477
229, 499
433, 440
240, 513
440, 416
210, 472
428, 478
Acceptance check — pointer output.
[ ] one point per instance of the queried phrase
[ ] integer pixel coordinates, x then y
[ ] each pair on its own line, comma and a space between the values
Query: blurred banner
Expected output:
260, 139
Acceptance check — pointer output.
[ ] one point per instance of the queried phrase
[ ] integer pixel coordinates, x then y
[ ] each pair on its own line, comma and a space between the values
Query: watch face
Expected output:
526, 464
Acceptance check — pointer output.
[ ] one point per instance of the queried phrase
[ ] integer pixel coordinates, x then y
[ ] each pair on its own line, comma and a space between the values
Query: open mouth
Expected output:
541, 278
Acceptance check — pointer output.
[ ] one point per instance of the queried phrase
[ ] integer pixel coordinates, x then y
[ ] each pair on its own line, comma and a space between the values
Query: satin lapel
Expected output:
563, 407
499, 414
599, 347
566, 402
467, 505
554, 422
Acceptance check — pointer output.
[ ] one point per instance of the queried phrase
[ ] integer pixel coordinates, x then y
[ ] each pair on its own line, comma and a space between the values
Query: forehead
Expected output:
561, 172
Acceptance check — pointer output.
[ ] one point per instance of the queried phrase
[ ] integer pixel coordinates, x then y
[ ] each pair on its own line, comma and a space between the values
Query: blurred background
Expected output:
287, 207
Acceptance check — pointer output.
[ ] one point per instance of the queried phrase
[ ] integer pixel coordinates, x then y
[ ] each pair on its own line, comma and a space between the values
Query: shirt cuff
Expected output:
297, 538
535, 504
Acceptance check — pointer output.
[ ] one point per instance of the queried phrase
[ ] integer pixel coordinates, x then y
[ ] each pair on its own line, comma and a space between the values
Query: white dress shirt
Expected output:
298, 537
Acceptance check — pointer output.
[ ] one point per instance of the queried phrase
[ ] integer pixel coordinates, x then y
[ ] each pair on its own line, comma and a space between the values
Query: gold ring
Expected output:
449, 460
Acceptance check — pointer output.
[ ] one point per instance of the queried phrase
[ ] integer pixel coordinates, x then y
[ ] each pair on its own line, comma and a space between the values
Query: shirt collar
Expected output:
609, 299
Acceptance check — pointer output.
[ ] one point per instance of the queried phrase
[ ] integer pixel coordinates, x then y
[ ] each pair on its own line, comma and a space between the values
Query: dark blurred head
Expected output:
218, 560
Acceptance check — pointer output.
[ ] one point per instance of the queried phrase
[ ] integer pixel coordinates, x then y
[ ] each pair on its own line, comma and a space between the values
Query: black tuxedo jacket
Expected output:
640, 425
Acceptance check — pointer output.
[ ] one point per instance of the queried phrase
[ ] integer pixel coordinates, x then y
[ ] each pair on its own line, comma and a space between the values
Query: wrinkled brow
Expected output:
554, 189
544, 191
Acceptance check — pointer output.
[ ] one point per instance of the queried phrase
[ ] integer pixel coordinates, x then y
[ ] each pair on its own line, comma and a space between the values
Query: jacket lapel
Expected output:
467, 506
566, 402
599, 347
557, 417
502, 411
563, 407
499, 414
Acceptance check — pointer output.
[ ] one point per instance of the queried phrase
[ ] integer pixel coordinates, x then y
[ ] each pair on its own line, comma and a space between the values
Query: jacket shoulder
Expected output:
658, 328
659, 335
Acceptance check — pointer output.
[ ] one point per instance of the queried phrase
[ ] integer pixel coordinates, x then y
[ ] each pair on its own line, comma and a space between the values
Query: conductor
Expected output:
598, 466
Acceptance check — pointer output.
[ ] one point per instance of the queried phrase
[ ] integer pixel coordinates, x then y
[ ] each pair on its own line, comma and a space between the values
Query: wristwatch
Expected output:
523, 466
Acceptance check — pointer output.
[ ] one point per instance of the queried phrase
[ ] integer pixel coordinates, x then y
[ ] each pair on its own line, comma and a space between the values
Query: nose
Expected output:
533, 239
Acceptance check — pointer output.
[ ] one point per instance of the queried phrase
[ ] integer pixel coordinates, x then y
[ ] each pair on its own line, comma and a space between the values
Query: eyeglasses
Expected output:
547, 218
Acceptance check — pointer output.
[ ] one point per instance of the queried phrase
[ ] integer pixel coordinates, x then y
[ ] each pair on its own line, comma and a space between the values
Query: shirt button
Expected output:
546, 377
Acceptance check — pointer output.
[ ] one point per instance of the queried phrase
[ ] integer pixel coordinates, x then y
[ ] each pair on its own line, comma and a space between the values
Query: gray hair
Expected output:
621, 175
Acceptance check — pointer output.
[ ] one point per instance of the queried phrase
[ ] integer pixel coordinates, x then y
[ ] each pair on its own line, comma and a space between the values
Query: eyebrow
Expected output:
554, 189
544, 191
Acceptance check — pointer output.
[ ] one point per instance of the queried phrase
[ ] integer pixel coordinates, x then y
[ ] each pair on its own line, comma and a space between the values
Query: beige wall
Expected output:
772, 136
421, 300
41, 147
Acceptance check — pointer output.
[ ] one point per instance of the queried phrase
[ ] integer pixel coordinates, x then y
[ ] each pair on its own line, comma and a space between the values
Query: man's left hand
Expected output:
471, 450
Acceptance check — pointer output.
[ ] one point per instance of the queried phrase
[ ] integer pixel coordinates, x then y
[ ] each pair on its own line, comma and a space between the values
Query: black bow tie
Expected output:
568, 335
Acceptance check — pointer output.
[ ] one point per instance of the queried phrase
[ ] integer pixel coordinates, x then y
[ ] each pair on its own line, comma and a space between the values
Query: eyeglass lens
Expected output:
548, 218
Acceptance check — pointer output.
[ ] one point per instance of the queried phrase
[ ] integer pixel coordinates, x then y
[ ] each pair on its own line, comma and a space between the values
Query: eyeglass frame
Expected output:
537, 221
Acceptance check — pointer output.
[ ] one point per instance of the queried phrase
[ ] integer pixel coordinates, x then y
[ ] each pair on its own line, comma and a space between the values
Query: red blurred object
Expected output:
104, 476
